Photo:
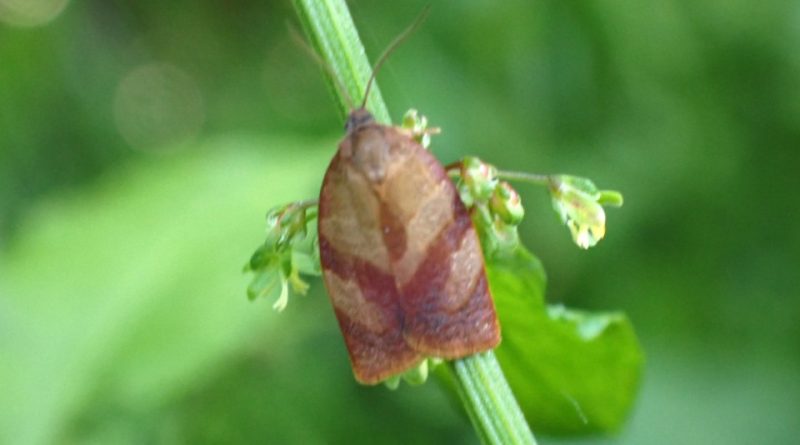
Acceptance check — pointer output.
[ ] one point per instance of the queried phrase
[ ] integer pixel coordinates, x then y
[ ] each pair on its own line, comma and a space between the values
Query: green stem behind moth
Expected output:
483, 389
329, 27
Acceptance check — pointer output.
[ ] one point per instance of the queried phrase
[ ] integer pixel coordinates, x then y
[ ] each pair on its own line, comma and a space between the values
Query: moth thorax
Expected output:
371, 152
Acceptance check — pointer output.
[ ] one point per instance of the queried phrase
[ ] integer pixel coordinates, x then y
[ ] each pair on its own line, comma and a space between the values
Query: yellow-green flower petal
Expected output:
577, 202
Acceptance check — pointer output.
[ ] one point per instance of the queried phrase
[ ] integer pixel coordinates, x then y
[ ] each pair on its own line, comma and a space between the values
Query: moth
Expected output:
400, 257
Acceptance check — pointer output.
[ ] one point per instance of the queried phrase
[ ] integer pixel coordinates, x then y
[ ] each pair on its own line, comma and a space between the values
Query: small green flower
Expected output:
418, 124
506, 204
479, 180
579, 204
416, 375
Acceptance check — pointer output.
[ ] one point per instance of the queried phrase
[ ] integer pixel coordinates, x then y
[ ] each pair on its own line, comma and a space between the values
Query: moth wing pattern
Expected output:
400, 256
358, 279
448, 310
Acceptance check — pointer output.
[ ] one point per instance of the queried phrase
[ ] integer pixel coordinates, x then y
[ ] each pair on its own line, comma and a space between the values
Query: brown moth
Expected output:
400, 257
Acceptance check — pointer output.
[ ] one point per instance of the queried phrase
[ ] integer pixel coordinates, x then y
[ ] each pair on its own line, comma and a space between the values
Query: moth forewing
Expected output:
400, 257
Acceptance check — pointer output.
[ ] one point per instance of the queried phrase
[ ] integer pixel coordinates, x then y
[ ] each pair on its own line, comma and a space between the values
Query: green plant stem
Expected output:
489, 402
454, 169
329, 27
531, 178
483, 389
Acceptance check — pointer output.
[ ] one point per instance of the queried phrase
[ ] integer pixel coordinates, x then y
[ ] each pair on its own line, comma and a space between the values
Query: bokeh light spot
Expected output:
158, 107
29, 13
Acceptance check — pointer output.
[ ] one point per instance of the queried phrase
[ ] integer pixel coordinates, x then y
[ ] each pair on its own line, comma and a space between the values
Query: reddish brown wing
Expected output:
358, 278
400, 257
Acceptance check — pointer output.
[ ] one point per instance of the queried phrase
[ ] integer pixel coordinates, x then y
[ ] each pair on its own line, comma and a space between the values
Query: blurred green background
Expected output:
142, 142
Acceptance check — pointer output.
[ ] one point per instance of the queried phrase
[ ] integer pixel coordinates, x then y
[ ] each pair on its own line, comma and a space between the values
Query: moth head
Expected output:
358, 118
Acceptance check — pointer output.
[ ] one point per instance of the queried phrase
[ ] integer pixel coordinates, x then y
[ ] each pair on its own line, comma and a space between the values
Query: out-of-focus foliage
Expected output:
142, 142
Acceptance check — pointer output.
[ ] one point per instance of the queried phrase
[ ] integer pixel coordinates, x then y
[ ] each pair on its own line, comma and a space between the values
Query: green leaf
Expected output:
573, 372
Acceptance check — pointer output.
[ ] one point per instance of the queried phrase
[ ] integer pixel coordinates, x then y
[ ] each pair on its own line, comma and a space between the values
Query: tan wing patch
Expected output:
466, 265
424, 205
355, 226
347, 297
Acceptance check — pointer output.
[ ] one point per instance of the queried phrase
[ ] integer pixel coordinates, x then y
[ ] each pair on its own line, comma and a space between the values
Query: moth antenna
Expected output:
393, 46
300, 41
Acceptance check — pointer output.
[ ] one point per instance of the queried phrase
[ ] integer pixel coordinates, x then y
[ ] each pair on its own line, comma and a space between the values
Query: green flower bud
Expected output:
506, 204
299, 285
418, 374
424, 139
411, 119
392, 382
479, 178
610, 198
260, 258
505, 235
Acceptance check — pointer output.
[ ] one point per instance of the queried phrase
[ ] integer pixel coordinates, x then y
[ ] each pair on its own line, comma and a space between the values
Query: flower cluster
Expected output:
495, 206
285, 254
497, 209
